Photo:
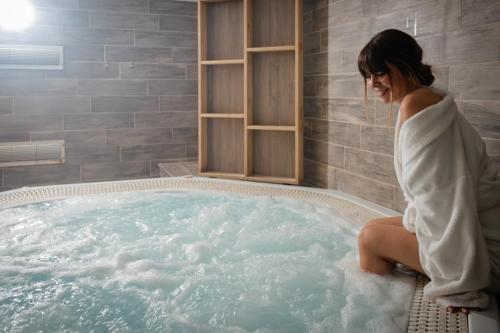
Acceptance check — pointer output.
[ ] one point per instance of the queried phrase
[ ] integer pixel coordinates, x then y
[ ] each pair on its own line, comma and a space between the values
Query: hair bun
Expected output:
426, 76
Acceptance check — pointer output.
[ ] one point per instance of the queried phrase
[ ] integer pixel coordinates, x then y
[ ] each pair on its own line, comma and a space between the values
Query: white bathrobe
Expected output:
453, 195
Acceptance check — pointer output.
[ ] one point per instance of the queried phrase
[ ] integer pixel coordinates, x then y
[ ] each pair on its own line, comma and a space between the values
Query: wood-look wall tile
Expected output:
62, 17
98, 121
79, 36
399, 204
334, 62
55, 104
115, 5
377, 139
336, 132
480, 12
191, 72
492, 147
6, 105
319, 175
183, 55
484, 116
172, 87
323, 152
312, 43
115, 170
351, 110
86, 70
112, 87
166, 39
349, 59
316, 63
475, 81
30, 122
371, 165
179, 103
364, 188
77, 155
125, 104
345, 85
314, 107
151, 152
14, 136
384, 116
124, 21
73, 138
84, 53
42, 175
51, 35
441, 77
166, 119
320, 19
69, 4
188, 135
178, 23
137, 136
316, 86
37, 87
192, 150
138, 54
173, 7
153, 71
354, 34
7, 74
307, 23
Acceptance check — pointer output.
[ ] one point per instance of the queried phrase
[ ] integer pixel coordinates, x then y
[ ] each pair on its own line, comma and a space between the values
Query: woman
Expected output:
450, 230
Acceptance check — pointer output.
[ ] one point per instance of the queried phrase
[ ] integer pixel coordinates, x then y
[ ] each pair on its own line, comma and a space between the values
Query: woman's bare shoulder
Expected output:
416, 101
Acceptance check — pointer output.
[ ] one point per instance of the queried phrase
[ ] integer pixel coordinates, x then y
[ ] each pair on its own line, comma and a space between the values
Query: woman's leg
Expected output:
385, 241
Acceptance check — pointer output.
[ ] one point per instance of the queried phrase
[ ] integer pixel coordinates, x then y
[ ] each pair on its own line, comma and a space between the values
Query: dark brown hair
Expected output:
399, 49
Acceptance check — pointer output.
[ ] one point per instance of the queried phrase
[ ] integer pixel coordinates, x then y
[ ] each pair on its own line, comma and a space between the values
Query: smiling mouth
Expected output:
381, 93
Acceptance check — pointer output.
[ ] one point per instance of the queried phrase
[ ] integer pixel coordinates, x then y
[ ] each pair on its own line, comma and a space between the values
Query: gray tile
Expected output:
334, 62
172, 87
384, 116
324, 41
5, 105
77, 155
42, 175
7, 188
183, 55
50, 35
166, 39
354, 34
150, 152
316, 86
475, 81
59, 104
153, 71
178, 23
399, 204
56, 3
73, 138
336, 132
191, 72
312, 43
377, 139
316, 64
187, 135
484, 116
351, 110
345, 85
192, 150
124, 21
98, 121
441, 77
138, 54
115, 170
480, 12
125, 104
176, 169
86, 70
115, 5
308, 23
364, 188
320, 19
136, 136
14, 136
172, 7
84, 36
349, 59
21, 74
37, 87
371, 165
166, 119
314, 107
179, 103
112, 87
84, 53
492, 147
318, 174
62, 17
323, 152
29, 122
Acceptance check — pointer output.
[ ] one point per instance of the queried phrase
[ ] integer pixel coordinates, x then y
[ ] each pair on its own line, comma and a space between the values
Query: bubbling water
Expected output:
189, 262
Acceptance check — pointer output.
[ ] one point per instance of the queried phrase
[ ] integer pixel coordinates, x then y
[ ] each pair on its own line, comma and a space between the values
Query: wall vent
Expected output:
14, 154
31, 57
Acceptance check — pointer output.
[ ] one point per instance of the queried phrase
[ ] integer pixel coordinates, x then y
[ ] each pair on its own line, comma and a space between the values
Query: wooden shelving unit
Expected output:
250, 90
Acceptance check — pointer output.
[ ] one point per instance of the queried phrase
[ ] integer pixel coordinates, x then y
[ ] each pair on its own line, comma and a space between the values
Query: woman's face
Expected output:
385, 84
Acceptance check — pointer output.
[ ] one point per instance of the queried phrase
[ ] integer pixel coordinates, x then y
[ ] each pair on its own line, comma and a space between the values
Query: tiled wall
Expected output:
126, 99
349, 147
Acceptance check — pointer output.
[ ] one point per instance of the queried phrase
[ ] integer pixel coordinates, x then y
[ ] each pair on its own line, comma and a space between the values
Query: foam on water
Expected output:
189, 262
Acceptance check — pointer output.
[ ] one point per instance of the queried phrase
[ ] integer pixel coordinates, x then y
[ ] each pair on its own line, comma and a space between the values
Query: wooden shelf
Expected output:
209, 1
286, 48
272, 128
268, 179
223, 62
222, 174
222, 115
